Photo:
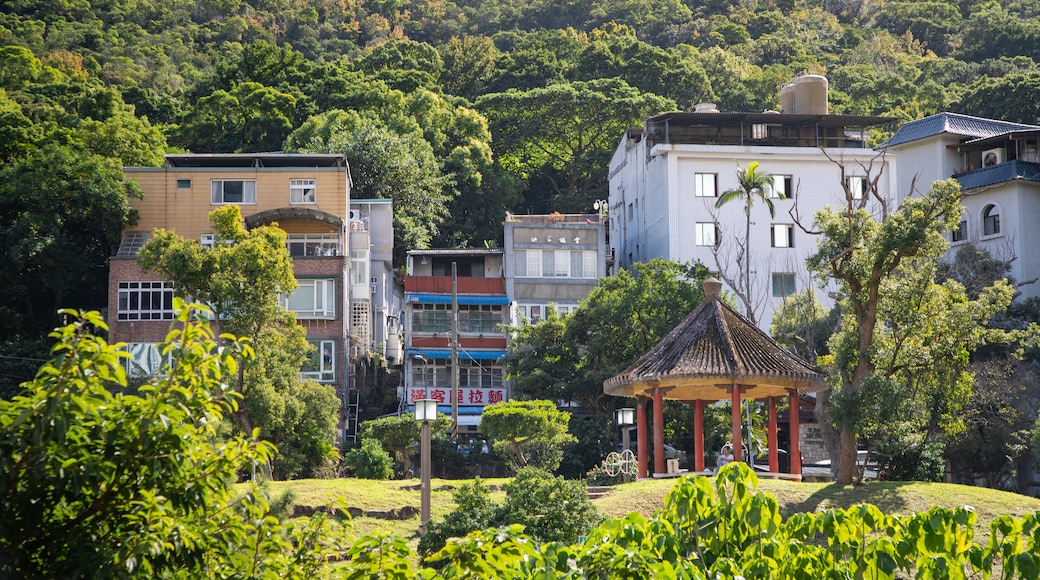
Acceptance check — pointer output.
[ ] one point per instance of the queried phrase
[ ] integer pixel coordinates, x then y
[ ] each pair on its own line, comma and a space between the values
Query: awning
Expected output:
463, 354
462, 299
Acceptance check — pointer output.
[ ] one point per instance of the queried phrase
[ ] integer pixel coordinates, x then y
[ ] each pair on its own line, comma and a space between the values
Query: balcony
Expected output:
466, 285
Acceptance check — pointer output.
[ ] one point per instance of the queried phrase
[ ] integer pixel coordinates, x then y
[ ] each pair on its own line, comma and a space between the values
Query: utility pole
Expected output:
454, 351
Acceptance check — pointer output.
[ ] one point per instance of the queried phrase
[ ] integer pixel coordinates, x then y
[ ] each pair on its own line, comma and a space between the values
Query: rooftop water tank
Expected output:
810, 95
787, 98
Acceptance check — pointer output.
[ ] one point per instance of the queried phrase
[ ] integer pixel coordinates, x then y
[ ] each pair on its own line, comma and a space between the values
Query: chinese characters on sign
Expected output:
467, 396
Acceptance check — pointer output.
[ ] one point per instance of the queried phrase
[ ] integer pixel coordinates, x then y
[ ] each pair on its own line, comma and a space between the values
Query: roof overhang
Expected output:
292, 213
710, 388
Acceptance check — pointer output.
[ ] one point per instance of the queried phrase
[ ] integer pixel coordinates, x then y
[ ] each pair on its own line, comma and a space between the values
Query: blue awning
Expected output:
463, 354
462, 299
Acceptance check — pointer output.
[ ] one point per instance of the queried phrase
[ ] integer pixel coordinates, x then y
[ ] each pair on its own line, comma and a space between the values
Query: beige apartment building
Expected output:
307, 195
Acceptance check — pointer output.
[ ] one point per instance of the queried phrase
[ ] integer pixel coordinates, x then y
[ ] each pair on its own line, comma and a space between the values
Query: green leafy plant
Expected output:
370, 461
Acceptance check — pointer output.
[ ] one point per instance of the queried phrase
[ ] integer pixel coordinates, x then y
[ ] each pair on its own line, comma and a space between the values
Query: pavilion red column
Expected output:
641, 437
659, 431
795, 453
738, 443
698, 436
774, 460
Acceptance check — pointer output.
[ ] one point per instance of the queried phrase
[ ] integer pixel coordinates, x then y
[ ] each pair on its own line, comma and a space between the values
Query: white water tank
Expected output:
810, 95
705, 108
787, 98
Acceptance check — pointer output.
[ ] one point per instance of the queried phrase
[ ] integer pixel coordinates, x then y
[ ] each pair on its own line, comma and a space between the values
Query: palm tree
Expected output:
751, 183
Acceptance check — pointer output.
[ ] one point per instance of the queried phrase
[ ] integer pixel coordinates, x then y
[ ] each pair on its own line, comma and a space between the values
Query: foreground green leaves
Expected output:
98, 482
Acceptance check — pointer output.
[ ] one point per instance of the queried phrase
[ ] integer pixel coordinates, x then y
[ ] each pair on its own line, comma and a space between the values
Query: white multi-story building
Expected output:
998, 166
666, 176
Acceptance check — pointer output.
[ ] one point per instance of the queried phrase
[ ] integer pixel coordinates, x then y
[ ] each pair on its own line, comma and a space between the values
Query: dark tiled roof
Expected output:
717, 345
1000, 173
953, 123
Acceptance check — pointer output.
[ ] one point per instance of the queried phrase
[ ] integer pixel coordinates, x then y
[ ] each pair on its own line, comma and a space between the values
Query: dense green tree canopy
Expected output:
899, 357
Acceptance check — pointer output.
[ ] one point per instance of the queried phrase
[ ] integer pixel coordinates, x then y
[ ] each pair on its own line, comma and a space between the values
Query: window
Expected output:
301, 191
783, 236
321, 363
705, 184
707, 234
313, 298
783, 284
857, 186
583, 264
759, 131
479, 317
145, 301
555, 264
228, 191
960, 233
183, 183
359, 267
430, 318
313, 245
990, 221
782, 187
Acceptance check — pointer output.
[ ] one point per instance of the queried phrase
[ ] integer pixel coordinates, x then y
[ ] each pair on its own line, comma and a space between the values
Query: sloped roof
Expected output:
712, 348
954, 124
999, 173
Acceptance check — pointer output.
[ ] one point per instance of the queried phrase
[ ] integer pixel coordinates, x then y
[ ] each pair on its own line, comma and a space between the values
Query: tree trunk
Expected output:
846, 458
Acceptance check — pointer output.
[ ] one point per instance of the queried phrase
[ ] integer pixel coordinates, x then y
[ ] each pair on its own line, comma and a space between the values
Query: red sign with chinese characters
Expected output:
467, 396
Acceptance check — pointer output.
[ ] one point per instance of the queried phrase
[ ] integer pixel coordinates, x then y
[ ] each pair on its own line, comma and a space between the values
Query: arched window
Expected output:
990, 220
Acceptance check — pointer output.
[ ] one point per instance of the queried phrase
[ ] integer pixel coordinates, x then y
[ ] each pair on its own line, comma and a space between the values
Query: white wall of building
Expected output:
660, 183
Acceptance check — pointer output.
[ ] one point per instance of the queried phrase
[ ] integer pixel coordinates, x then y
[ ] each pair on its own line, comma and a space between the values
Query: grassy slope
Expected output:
648, 496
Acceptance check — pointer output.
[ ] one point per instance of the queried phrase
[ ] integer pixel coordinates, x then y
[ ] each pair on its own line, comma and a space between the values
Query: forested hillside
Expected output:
459, 111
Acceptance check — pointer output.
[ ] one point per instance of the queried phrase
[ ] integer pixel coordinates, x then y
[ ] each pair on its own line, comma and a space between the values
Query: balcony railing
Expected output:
442, 285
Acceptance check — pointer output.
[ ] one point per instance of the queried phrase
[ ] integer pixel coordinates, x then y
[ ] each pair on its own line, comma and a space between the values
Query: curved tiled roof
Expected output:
1000, 173
712, 348
953, 123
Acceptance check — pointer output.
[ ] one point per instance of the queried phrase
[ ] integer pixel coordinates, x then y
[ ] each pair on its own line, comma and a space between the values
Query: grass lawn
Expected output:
647, 496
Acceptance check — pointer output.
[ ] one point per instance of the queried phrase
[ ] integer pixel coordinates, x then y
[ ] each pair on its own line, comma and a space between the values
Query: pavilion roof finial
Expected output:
712, 286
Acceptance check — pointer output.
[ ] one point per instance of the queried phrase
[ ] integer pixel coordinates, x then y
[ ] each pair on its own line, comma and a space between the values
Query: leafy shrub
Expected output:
599, 476
370, 461
473, 511
550, 509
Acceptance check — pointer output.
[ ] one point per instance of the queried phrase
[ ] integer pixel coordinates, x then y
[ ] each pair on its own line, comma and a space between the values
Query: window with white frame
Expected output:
857, 186
782, 187
960, 233
314, 298
232, 191
555, 264
782, 235
991, 220
313, 245
707, 234
783, 284
359, 266
705, 184
302, 191
321, 362
535, 312
145, 301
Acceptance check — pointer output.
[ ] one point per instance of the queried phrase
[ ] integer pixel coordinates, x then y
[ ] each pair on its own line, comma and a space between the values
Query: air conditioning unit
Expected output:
992, 157
372, 287
355, 214
208, 240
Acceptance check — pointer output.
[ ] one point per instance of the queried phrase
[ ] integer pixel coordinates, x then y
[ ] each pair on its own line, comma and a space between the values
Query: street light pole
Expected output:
425, 411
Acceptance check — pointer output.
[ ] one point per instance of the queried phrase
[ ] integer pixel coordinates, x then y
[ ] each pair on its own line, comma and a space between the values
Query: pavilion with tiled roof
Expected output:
715, 354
